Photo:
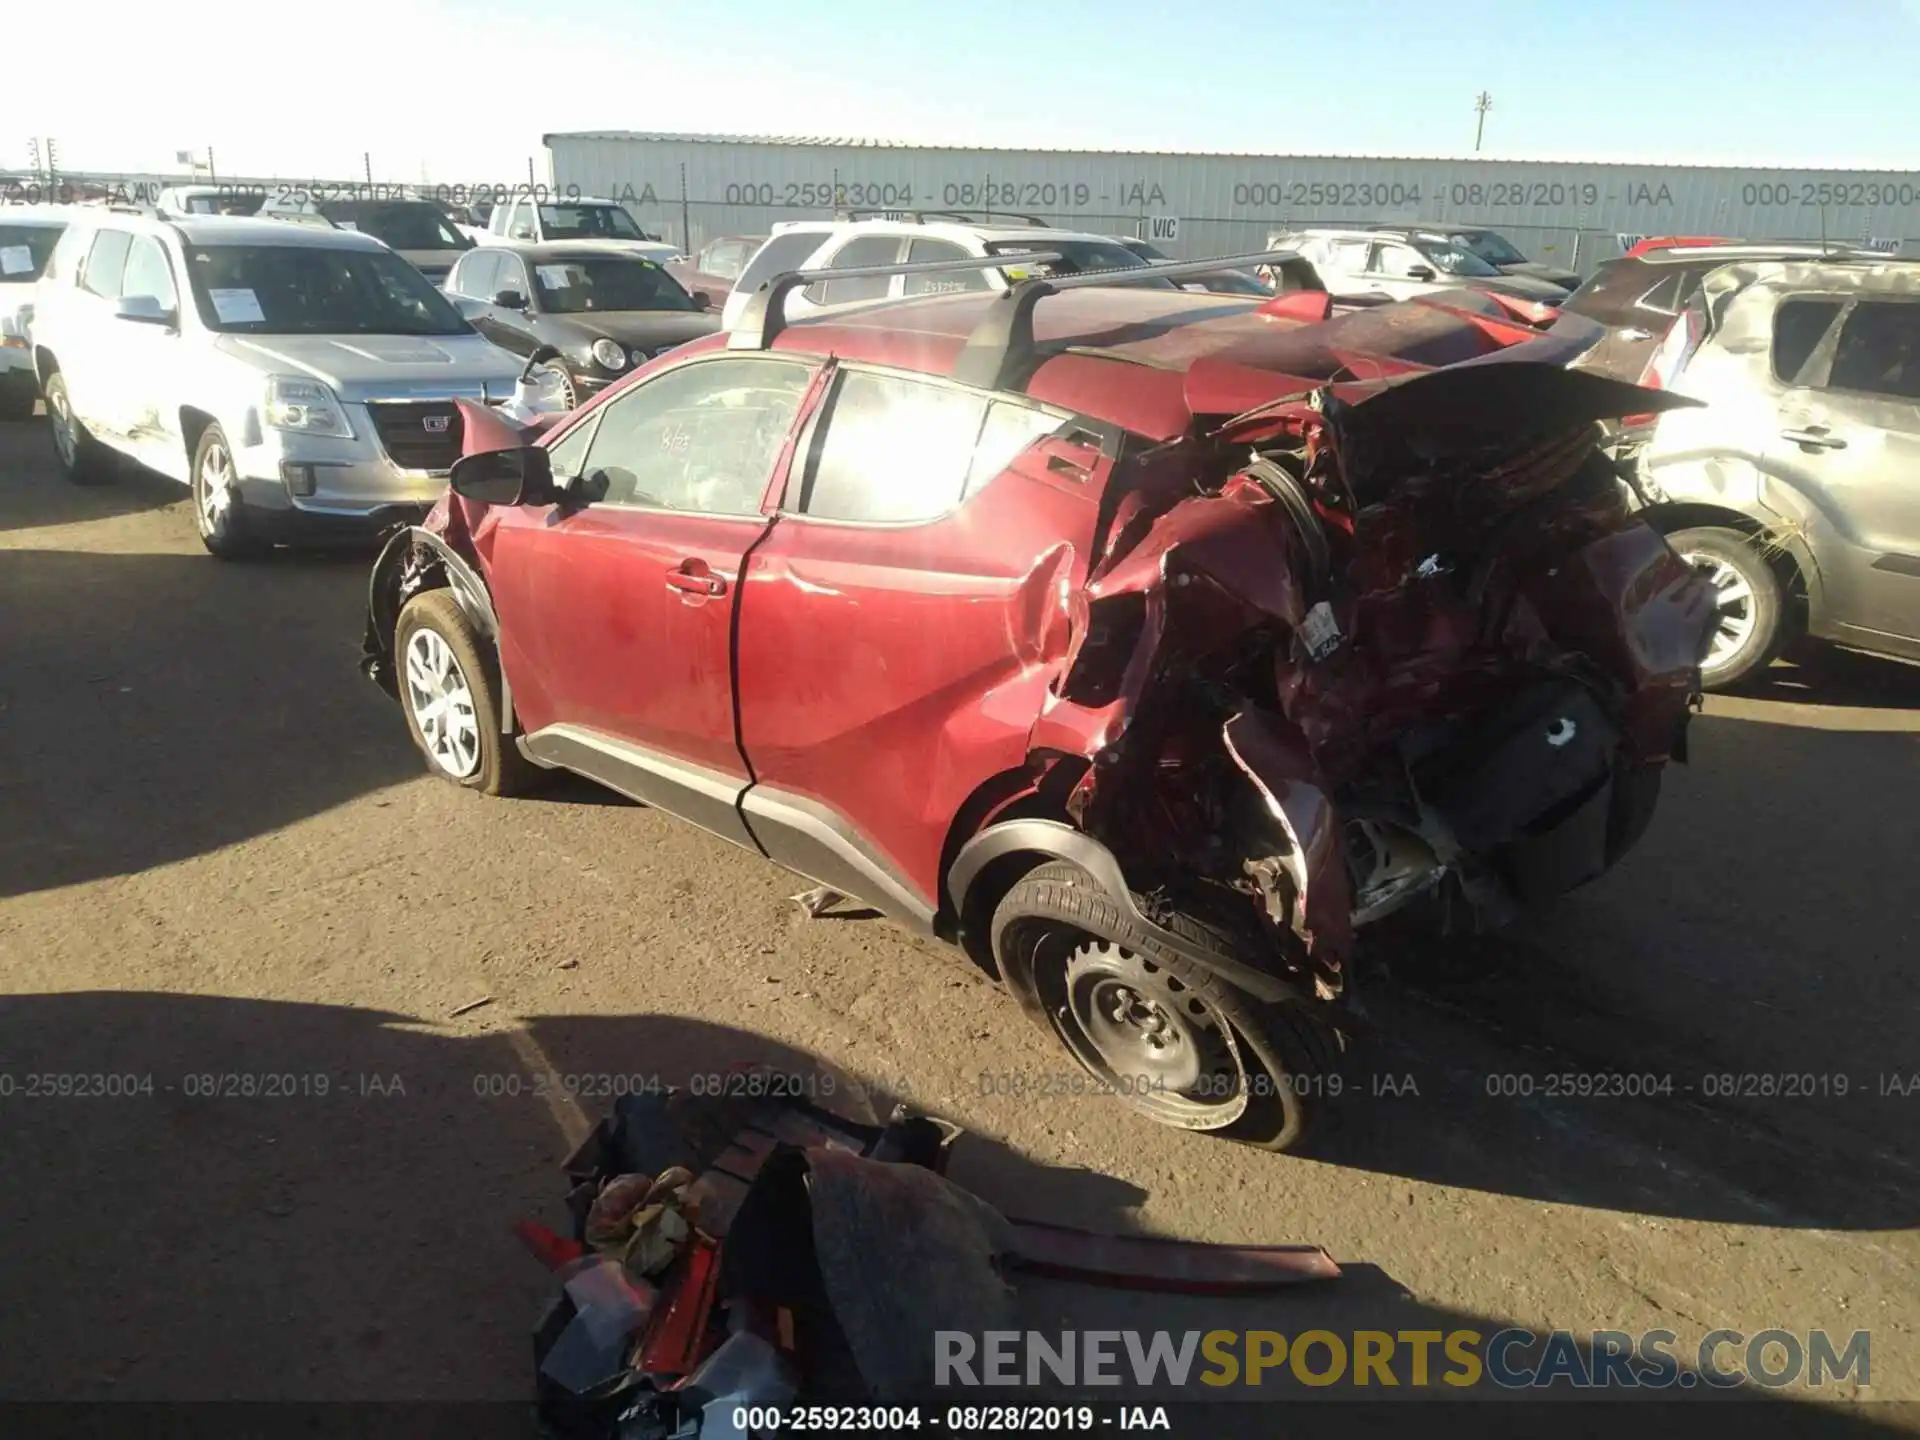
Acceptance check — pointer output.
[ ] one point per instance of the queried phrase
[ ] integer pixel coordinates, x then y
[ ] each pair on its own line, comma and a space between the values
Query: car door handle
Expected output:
690, 582
1814, 437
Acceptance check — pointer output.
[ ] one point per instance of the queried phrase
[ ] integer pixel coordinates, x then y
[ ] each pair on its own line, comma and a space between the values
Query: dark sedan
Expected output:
605, 309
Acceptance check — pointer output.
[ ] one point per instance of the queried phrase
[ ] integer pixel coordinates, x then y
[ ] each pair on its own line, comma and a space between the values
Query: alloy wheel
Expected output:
60, 417
216, 489
1738, 612
441, 702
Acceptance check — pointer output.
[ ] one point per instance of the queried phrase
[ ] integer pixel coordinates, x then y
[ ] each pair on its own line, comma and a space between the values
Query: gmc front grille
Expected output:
418, 434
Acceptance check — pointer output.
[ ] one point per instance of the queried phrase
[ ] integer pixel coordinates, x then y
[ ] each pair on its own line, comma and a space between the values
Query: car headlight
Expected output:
609, 354
305, 406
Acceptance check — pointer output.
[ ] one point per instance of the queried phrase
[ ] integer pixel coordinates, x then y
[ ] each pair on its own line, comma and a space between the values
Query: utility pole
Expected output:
1482, 103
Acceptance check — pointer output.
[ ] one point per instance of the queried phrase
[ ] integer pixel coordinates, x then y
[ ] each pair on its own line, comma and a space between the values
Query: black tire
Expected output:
1268, 1067
226, 529
17, 404
498, 767
86, 461
1736, 557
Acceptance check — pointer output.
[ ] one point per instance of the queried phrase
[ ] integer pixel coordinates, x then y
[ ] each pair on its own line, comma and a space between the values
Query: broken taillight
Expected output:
1670, 357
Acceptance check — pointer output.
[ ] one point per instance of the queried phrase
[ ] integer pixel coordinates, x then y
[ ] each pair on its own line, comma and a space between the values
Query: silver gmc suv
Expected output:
299, 379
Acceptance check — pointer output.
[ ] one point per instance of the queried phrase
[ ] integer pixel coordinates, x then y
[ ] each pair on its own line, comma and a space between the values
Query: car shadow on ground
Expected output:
1816, 674
34, 495
310, 1202
159, 706
1735, 995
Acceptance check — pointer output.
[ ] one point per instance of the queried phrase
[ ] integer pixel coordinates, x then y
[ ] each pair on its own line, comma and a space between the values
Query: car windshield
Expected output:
405, 225
1492, 248
611, 282
588, 222
24, 250
316, 290
1452, 260
1077, 257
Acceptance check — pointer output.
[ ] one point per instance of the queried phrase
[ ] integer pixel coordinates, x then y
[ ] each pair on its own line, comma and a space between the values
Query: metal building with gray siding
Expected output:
692, 188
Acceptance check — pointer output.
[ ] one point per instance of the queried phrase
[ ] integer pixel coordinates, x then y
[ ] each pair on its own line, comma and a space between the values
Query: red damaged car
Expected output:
1145, 643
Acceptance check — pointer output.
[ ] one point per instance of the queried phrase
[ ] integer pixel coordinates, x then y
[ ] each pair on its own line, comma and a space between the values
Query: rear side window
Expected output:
1798, 328
899, 451
1878, 351
106, 264
1610, 294
921, 251
786, 251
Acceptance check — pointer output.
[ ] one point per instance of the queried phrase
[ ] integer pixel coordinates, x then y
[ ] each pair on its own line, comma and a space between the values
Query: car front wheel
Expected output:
1169, 1037
83, 459
1746, 592
450, 690
218, 511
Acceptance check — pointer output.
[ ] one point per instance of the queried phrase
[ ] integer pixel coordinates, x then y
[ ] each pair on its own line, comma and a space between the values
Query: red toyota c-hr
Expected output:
1145, 643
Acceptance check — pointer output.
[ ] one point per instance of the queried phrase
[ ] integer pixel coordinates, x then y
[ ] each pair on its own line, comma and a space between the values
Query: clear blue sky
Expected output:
466, 87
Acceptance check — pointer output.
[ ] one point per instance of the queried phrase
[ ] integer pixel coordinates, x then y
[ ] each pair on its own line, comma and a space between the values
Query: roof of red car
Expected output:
1124, 355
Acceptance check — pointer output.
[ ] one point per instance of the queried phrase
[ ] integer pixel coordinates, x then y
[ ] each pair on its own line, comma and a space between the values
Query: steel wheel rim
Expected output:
441, 702
61, 418
1113, 1001
216, 488
1735, 603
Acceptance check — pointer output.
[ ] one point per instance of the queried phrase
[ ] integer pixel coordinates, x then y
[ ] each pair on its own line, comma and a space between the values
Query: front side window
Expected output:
896, 450
588, 222
1799, 325
511, 278
1348, 256
315, 290
106, 264
1878, 351
1452, 260
520, 221
474, 276
702, 437
1495, 249
149, 274
594, 283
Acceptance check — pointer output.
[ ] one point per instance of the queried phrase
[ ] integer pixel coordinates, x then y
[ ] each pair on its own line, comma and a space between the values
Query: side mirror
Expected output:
1419, 272
510, 300
505, 477
142, 310
702, 300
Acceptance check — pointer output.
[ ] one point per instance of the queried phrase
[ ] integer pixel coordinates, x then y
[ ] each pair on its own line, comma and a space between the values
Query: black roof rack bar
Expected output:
764, 315
1001, 347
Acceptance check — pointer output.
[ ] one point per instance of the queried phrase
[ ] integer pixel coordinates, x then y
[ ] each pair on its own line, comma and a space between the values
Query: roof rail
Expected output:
764, 315
920, 217
1001, 346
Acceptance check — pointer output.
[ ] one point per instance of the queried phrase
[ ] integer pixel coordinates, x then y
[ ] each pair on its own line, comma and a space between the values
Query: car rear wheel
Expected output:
1167, 1036
1747, 594
450, 690
219, 513
83, 459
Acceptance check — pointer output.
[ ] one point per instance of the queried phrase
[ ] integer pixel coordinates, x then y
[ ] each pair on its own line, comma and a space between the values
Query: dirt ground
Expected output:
219, 857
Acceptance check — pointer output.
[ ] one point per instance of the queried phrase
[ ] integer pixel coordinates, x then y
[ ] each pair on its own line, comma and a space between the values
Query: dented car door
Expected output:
915, 584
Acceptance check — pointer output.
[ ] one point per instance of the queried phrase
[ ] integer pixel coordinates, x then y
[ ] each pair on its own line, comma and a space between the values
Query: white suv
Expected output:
532, 220
299, 379
850, 244
28, 234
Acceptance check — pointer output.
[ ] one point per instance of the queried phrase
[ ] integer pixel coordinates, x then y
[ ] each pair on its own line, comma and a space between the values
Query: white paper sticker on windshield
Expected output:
236, 307
555, 277
15, 260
